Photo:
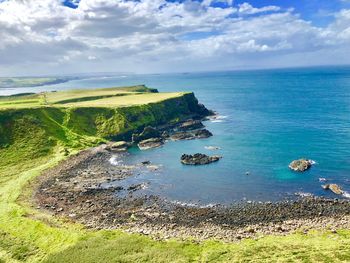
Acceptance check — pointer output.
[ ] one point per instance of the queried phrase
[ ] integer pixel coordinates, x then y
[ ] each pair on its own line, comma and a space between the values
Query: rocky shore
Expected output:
76, 190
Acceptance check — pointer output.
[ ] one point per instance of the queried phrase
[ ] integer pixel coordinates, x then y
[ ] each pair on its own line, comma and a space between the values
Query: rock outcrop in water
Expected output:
199, 159
199, 134
191, 125
334, 188
300, 165
150, 143
202, 134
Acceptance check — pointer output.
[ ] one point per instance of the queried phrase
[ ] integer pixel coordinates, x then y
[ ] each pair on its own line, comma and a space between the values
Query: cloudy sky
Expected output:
144, 36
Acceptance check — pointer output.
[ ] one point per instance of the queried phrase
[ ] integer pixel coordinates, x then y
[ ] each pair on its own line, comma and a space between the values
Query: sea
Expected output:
266, 119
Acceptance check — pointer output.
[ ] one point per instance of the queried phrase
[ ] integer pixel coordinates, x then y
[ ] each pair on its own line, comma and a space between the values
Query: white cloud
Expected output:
148, 35
248, 9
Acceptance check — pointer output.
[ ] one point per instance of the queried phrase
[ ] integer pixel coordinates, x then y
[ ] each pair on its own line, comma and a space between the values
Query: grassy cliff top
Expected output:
106, 97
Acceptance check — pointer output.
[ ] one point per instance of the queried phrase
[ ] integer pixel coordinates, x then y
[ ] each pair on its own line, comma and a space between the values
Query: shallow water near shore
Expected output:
268, 118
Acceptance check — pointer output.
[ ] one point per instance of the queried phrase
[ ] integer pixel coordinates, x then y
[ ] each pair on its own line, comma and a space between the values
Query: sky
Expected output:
57, 37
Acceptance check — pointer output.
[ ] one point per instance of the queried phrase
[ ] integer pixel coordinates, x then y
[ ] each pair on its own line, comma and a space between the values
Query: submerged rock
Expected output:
150, 143
120, 146
191, 125
199, 159
212, 148
135, 187
334, 188
148, 133
300, 165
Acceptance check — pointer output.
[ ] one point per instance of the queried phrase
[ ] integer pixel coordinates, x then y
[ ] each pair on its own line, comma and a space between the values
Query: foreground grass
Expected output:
35, 140
28, 235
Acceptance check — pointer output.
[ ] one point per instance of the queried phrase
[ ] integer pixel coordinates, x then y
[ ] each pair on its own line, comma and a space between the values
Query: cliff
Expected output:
34, 132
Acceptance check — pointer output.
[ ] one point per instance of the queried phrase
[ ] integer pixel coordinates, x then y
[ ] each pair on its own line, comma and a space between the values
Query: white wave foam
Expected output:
221, 117
303, 194
346, 194
114, 160
313, 162
218, 118
322, 179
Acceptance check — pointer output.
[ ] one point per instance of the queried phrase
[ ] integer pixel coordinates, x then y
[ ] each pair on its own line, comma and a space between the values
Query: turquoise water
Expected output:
269, 118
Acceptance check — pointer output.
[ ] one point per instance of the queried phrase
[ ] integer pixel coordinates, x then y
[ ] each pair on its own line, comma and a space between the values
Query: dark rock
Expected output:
300, 165
191, 125
150, 143
201, 134
146, 162
148, 133
198, 159
334, 188
135, 187
165, 134
182, 136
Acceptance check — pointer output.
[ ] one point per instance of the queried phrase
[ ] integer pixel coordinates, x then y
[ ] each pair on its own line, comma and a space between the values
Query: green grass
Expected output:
108, 97
34, 139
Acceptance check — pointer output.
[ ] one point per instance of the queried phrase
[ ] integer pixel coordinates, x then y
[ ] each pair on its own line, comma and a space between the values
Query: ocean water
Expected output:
267, 119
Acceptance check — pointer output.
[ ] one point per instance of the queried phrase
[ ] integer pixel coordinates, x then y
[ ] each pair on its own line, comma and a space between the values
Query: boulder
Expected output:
182, 136
150, 143
334, 188
120, 146
147, 133
191, 125
201, 134
199, 159
300, 165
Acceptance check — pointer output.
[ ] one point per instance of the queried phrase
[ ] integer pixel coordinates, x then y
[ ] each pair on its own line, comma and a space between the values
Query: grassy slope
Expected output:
32, 140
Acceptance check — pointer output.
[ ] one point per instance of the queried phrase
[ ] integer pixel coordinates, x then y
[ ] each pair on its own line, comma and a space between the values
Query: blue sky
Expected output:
146, 36
319, 12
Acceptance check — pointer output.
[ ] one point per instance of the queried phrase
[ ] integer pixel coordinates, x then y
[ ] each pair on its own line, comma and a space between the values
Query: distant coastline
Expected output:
25, 82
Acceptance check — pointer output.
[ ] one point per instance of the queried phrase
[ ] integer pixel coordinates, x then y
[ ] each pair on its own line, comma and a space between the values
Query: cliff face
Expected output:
32, 132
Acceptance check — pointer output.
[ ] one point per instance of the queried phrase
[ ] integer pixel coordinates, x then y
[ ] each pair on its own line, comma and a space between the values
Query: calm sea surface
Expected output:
268, 118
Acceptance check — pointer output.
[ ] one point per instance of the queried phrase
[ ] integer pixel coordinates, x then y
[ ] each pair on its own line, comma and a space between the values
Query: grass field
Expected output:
32, 140
108, 97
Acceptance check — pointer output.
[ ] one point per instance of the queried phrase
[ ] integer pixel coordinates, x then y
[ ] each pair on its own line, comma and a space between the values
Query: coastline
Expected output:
73, 190
26, 154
